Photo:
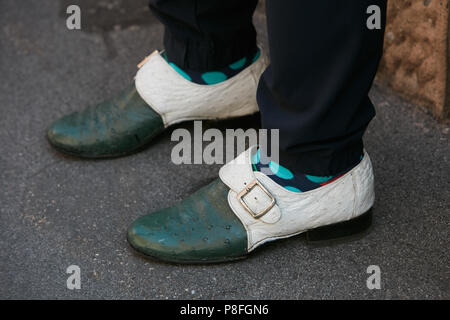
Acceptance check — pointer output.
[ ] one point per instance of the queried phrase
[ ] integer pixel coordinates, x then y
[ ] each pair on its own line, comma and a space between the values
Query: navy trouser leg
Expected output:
315, 91
323, 62
206, 34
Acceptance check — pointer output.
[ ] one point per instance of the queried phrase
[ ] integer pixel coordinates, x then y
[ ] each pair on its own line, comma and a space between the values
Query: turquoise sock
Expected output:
298, 182
216, 76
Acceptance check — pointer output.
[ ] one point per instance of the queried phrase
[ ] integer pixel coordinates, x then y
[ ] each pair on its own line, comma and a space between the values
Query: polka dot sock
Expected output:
296, 183
216, 76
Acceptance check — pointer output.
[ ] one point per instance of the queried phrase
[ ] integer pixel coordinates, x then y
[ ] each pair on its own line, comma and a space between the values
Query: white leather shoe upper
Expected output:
177, 99
293, 213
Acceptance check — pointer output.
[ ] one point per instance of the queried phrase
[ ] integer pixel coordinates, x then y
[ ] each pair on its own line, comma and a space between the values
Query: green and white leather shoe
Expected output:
243, 209
158, 98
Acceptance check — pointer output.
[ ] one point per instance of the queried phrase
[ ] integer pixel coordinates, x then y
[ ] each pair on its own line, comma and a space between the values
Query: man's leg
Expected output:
315, 92
323, 62
208, 42
206, 34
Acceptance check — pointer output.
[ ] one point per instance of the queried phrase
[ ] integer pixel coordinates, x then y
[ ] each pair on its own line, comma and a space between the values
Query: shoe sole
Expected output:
341, 230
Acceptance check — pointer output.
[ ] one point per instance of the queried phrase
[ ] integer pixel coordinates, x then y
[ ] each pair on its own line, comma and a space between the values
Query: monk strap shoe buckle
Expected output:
241, 197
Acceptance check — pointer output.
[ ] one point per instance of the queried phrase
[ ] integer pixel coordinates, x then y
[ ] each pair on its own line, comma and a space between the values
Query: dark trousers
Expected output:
323, 62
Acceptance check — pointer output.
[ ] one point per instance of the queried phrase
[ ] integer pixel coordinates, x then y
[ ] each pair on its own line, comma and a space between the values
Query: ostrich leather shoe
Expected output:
158, 98
243, 209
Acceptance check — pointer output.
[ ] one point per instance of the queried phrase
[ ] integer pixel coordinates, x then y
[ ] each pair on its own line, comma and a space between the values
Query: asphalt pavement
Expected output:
57, 211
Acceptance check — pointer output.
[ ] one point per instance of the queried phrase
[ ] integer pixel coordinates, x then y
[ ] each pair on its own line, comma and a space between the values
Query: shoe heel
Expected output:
341, 229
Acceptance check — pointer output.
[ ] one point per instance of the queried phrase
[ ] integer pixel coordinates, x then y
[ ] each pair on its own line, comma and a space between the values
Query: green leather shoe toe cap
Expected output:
113, 128
200, 229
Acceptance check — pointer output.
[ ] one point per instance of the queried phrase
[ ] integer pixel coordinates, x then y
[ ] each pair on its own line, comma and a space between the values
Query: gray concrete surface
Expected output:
56, 211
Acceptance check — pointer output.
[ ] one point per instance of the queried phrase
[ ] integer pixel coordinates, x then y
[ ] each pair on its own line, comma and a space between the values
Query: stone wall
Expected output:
416, 58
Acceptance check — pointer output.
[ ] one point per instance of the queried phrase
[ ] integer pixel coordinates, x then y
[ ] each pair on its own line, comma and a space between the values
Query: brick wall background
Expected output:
416, 58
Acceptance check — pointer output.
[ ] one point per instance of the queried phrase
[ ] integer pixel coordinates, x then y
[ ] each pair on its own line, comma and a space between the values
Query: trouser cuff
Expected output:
322, 162
215, 51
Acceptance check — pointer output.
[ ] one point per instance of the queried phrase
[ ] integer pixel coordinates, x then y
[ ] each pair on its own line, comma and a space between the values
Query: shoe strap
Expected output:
147, 58
247, 193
